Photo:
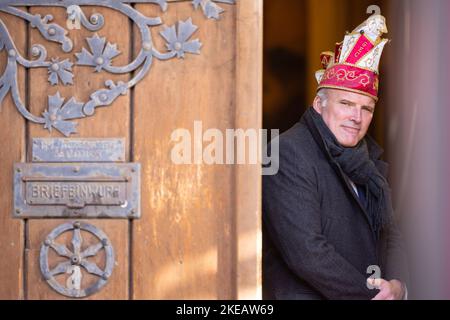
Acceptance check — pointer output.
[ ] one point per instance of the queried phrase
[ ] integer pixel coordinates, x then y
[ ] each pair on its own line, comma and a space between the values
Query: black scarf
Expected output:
357, 165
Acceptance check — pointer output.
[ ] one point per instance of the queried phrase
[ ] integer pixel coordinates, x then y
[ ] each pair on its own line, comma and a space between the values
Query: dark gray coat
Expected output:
318, 241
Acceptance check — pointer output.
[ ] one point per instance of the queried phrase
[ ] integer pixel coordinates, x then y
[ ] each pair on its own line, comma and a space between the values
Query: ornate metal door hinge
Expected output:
61, 111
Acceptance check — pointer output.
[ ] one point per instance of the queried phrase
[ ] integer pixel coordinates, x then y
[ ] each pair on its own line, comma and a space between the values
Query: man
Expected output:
327, 213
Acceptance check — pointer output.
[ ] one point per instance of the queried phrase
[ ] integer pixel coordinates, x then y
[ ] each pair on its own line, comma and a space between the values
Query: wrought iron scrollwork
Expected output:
99, 55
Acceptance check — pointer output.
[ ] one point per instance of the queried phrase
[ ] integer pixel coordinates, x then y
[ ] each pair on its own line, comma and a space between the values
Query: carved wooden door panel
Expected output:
131, 72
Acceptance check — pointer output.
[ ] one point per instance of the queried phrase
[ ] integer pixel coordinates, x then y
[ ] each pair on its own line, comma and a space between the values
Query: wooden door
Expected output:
198, 236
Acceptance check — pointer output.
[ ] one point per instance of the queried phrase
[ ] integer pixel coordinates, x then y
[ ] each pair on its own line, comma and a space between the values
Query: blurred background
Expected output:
411, 117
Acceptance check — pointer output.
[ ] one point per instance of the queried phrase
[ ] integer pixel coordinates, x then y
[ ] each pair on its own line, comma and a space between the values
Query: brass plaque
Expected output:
78, 150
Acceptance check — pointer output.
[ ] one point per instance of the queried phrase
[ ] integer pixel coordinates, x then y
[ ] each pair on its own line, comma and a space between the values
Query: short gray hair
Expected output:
323, 96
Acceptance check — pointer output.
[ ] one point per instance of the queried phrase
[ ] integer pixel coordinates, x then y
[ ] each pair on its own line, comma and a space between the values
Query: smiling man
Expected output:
327, 214
347, 114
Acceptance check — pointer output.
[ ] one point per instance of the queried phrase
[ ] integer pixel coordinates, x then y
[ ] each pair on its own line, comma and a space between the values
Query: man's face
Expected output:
347, 114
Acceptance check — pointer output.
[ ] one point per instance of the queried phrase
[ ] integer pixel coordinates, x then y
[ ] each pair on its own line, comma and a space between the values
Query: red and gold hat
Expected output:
353, 66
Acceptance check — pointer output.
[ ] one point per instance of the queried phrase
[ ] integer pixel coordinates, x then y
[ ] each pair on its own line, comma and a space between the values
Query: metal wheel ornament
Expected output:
76, 260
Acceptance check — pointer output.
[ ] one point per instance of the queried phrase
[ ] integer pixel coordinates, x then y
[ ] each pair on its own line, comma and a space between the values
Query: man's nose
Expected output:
356, 115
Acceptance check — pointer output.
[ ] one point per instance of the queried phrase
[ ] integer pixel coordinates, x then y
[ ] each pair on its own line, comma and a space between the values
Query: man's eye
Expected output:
344, 103
369, 109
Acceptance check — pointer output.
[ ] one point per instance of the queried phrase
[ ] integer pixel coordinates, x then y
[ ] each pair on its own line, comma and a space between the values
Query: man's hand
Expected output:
389, 290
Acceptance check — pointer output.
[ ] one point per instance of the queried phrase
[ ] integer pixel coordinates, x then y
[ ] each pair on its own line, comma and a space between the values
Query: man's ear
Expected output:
317, 105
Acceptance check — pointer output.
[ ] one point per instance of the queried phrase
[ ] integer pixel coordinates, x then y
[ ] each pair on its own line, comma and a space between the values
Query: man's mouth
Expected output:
351, 130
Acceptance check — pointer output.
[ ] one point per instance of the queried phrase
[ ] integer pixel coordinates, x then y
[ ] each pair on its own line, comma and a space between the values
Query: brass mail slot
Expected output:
75, 193
93, 190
